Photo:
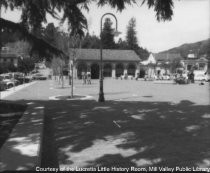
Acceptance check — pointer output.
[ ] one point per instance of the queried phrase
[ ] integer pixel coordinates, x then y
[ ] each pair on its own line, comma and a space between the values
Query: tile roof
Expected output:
8, 55
108, 55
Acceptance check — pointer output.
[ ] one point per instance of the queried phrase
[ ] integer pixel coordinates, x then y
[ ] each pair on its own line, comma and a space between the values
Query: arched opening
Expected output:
142, 73
119, 70
82, 67
95, 71
107, 70
131, 69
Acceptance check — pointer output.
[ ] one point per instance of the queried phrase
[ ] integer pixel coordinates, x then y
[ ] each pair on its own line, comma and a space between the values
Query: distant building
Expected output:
115, 62
194, 62
158, 64
165, 61
148, 67
163, 58
40, 65
7, 56
162, 63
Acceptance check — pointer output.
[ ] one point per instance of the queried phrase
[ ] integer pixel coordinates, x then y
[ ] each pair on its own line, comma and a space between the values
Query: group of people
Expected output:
86, 77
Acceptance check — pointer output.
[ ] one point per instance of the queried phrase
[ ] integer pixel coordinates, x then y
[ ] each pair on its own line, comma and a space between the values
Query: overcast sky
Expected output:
190, 23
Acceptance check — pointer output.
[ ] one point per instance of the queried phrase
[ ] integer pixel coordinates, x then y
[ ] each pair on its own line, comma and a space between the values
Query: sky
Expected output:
190, 23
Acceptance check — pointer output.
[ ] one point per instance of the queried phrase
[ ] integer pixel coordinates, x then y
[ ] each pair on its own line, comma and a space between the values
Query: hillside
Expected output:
200, 48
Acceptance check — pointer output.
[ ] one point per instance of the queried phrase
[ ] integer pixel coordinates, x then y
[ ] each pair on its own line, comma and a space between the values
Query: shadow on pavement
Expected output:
124, 134
88, 133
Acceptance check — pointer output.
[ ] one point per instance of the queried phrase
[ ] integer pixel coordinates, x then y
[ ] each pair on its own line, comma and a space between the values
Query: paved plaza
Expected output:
141, 124
119, 90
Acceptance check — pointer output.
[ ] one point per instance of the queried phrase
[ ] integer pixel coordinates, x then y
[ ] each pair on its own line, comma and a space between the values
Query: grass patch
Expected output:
7, 123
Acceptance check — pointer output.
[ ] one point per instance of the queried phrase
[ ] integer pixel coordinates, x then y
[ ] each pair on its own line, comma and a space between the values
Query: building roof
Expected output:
108, 55
9, 55
150, 60
167, 56
202, 59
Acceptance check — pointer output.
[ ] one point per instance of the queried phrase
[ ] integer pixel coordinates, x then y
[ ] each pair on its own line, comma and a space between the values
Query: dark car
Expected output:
181, 80
3, 86
39, 76
24, 80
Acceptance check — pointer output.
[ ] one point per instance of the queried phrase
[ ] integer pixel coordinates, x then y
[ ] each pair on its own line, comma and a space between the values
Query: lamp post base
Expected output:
101, 97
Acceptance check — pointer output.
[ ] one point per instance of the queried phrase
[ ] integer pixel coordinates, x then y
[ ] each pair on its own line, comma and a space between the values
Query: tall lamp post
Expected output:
116, 33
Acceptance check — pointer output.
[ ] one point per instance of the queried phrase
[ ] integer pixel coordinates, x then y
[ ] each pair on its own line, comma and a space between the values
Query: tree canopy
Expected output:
107, 35
34, 14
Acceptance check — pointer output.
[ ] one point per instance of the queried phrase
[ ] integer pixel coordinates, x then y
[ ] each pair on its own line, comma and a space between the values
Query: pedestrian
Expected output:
192, 77
84, 77
88, 78
137, 76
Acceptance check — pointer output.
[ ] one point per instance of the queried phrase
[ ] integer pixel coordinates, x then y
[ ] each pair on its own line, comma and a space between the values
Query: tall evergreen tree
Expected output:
131, 38
107, 35
90, 42
122, 44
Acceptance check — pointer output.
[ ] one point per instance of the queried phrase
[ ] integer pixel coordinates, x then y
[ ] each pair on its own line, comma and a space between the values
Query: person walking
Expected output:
88, 78
84, 78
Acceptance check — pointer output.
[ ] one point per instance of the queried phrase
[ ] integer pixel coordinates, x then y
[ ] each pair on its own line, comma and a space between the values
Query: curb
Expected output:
88, 97
21, 151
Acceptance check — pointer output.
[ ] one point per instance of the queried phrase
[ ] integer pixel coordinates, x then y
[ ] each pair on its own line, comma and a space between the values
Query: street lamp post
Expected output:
101, 92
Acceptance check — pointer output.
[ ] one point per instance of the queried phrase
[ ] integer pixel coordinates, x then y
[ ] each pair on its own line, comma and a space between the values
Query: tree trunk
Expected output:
72, 81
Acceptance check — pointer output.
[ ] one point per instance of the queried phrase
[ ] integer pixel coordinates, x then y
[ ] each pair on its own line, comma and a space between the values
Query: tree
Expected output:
175, 64
90, 42
121, 44
50, 34
34, 12
143, 53
26, 65
131, 38
107, 35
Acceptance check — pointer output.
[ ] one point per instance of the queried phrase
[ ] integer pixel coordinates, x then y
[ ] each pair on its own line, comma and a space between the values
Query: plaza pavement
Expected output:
141, 124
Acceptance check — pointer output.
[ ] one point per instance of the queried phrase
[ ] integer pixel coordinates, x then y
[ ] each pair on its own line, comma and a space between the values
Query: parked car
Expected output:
39, 76
3, 85
22, 78
202, 77
150, 78
165, 77
34, 72
10, 82
181, 80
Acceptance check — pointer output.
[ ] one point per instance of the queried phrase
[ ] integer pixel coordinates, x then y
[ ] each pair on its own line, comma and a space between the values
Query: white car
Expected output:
201, 77
126, 77
165, 77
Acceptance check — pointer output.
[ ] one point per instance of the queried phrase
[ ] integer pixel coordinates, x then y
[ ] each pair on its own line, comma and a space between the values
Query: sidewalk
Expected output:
21, 151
